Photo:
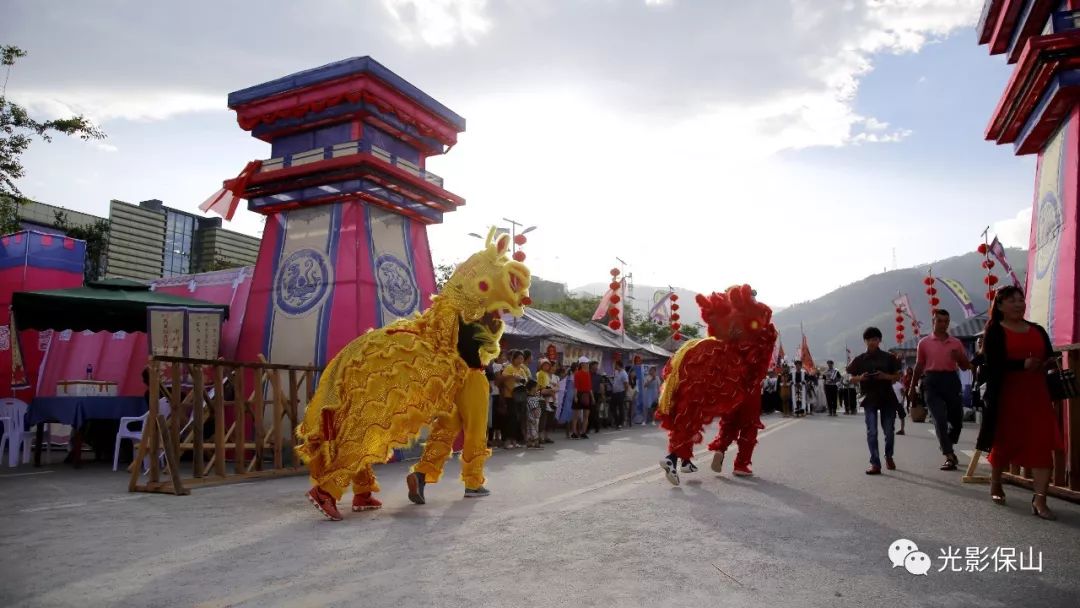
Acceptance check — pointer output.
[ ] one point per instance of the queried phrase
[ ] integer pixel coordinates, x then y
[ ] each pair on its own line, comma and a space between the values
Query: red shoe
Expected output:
324, 503
890, 464
873, 470
743, 470
365, 502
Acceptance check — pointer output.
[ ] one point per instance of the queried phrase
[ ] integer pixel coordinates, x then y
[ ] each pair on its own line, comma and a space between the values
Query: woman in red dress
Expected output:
1019, 426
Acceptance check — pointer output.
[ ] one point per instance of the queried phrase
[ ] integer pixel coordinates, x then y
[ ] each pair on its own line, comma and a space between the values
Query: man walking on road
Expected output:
941, 356
876, 370
832, 387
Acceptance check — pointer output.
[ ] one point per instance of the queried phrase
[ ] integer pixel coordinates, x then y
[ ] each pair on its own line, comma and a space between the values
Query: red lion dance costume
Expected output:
718, 376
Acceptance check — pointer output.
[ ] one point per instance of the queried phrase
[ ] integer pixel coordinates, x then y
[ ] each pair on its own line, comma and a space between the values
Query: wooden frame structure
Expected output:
272, 406
1065, 478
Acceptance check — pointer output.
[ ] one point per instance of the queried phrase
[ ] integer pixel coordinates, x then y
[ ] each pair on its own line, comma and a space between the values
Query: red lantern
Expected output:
932, 291
614, 324
519, 256
614, 272
614, 285
520, 239
613, 313
899, 318
899, 327
934, 301
677, 336
675, 317
674, 307
990, 280
615, 299
983, 249
990, 295
928, 281
675, 326
899, 337
674, 297
988, 264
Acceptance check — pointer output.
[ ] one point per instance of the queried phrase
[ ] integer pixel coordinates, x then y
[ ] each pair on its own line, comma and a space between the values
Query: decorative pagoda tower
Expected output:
347, 200
1039, 113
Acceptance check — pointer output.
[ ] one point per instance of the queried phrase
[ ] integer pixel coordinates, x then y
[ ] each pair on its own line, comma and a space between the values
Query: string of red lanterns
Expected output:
990, 280
931, 292
675, 325
899, 325
615, 323
519, 256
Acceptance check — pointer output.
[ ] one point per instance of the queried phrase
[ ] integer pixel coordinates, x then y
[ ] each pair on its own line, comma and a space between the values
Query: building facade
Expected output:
150, 240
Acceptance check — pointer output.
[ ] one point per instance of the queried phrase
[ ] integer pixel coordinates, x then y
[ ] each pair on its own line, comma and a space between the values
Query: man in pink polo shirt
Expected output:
940, 357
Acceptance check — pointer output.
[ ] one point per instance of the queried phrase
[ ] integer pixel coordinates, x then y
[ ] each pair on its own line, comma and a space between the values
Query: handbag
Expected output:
1062, 384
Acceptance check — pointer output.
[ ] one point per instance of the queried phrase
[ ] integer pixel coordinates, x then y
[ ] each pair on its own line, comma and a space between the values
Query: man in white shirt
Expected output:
619, 382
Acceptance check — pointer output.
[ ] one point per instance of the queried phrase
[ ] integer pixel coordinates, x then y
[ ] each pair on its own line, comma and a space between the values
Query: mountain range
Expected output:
836, 320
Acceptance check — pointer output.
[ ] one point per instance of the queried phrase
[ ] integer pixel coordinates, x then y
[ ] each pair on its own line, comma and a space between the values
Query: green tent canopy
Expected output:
111, 305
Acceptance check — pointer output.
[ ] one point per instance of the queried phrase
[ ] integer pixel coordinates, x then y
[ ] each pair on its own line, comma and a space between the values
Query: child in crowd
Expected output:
536, 406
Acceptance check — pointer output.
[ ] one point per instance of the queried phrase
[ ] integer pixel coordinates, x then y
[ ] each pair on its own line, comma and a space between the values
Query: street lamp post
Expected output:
513, 233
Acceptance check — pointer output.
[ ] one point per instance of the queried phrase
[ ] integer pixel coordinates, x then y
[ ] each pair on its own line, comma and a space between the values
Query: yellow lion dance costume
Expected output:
387, 384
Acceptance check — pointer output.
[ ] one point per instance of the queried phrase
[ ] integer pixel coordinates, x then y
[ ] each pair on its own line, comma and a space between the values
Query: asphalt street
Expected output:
582, 523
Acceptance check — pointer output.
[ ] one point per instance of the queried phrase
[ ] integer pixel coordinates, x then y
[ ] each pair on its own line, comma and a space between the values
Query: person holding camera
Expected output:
876, 370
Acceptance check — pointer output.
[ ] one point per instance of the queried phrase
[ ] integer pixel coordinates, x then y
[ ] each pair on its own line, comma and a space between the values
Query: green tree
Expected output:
578, 308
17, 130
96, 236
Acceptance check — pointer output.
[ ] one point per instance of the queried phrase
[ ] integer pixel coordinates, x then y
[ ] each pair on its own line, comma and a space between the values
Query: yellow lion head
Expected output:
484, 286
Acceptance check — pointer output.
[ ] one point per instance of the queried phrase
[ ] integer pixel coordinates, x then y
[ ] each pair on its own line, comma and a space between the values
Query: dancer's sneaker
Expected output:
689, 467
365, 502
670, 470
743, 470
324, 503
480, 492
718, 461
416, 483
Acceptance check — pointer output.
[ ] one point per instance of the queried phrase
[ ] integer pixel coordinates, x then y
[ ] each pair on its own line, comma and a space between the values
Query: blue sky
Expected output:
704, 143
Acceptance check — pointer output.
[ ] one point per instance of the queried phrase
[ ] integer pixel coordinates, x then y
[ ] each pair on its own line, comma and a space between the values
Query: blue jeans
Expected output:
887, 422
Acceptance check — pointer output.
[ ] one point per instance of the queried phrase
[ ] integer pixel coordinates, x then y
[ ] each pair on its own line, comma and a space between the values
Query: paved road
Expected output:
583, 523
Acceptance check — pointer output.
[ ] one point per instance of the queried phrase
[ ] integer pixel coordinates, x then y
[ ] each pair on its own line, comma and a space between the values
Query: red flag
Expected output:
807, 359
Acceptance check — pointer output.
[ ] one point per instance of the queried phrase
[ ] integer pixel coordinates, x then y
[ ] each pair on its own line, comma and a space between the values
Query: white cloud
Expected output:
104, 147
1015, 231
438, 23
104, 105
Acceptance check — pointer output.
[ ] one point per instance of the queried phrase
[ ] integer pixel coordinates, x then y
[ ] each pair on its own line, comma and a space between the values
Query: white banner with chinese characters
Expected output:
203, 333
165, 331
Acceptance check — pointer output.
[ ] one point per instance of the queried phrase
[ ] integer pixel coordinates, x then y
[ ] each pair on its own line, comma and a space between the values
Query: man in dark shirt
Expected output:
876, 371
832, 387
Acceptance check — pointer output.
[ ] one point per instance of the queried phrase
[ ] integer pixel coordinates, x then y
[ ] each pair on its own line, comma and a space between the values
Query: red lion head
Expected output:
735, 314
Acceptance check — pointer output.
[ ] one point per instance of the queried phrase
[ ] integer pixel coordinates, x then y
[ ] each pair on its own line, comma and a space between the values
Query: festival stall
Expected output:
97, 330
31, 261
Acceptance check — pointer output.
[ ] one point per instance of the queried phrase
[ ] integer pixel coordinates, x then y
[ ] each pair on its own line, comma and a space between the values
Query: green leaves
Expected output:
17, 129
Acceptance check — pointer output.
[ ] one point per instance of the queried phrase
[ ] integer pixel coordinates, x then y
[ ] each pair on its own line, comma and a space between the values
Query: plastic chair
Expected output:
135, 435
13, 415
